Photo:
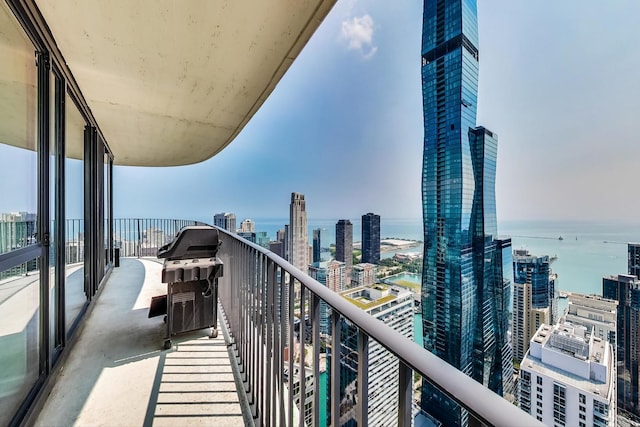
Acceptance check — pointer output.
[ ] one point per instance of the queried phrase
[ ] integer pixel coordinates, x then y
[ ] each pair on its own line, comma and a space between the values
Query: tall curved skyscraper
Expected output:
465, 295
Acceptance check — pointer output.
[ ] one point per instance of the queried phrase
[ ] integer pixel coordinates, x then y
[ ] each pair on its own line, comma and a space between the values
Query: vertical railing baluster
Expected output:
269, 350
405, 388
315, 325
301, 369
256, 343
290, 303
261, 344
335, 368
283, 343
363, 379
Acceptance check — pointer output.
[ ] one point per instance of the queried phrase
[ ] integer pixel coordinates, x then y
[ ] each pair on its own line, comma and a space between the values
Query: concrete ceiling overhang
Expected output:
174, 82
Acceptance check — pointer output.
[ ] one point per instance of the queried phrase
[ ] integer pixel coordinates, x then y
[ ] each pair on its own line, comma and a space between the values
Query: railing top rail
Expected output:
483, 404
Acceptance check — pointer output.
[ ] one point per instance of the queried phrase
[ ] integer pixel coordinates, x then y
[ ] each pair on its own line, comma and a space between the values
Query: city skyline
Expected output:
377, 68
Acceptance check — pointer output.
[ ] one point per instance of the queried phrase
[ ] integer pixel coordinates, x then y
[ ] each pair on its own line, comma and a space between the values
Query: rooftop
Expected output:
587, 363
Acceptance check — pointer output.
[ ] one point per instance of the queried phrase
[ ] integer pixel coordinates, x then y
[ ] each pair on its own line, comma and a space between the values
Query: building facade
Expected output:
344, 244
568, 378
393, 306
298, 236
526, 319
332, 275
247, 226
317, 244
226, 221
363, 274
597, 314
633, 250
370, 238
625, 289
463, 321
536, 270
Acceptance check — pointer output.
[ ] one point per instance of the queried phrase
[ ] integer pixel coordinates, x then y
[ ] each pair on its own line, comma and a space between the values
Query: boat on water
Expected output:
560, 238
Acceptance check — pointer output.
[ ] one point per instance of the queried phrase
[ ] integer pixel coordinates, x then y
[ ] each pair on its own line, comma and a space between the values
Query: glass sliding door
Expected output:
74, 246
19, 246
56, 215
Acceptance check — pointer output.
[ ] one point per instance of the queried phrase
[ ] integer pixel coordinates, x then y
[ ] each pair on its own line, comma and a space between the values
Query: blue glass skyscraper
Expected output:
463, 291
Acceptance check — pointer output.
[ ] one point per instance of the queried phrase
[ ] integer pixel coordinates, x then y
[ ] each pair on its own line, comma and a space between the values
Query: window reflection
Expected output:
19, 332
75, 297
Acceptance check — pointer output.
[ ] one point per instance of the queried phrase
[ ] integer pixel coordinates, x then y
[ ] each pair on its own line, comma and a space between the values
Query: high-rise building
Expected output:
331, 274
597, 314
370, 238
317, 244
344, 244
463, 322
247, 226
277, 247
298, 235
393, 306
536, 270
262, 239
226, 221
526, 320
363, 274
567, 378
633, 250
247, 235
625, 289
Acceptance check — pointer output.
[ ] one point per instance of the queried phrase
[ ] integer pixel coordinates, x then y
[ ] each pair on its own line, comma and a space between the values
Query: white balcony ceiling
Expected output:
173, 82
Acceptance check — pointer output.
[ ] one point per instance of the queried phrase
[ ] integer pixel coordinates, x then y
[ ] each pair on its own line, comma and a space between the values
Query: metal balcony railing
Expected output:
142, 237
273, 313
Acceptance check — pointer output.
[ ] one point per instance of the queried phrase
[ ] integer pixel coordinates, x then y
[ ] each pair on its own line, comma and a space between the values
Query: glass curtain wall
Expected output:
19, 249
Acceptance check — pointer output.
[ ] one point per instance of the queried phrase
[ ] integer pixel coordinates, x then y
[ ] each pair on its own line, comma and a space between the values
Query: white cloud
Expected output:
358, 33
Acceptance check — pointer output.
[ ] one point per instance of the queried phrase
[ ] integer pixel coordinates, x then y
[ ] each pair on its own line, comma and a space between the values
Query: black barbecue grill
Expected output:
191, 271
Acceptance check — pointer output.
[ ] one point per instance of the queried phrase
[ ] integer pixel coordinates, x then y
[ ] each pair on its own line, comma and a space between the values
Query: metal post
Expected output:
335, 368
363, 379
405, 387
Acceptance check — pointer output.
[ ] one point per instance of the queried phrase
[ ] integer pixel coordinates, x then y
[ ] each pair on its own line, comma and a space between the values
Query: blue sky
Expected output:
558, 84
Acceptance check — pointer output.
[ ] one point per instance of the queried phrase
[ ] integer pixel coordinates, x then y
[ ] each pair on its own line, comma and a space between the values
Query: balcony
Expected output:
112, 86
116, 372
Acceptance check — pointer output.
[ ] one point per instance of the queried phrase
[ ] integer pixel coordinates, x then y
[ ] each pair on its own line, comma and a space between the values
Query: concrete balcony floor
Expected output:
117, 374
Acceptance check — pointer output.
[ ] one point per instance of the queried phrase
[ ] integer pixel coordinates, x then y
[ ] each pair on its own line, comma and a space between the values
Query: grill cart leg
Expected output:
214, 328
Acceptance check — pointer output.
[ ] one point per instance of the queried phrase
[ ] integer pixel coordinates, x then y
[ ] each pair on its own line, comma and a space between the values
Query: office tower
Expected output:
344, 244
331, 274
298, 233
317, 245
370, 238
247, 226
503, 272
462, 321
626, 290
526, 320
634, 259
363, 274
226, 221
277, 248
285, 242
536, 270
262, 239
597, 314
393, 306
247, 235
566, 378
